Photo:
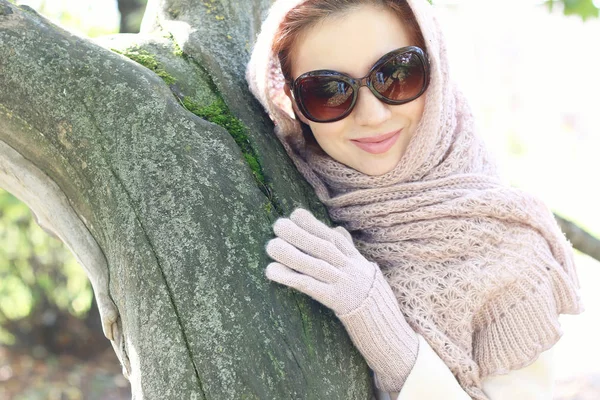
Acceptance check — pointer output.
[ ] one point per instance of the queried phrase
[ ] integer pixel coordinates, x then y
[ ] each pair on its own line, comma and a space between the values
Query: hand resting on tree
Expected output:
323, 263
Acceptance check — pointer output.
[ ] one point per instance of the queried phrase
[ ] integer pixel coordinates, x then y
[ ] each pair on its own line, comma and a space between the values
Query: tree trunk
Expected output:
130, 11
169, 212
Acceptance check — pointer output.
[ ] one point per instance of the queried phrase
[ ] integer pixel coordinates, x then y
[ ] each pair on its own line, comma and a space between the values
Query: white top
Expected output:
431, 379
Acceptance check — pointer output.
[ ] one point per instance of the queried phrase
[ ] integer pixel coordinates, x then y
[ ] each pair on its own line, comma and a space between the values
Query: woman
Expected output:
448, 277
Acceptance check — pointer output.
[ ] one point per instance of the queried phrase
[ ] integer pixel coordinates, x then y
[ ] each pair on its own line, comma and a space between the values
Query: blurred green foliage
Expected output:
76, 21
36, 270
583, 8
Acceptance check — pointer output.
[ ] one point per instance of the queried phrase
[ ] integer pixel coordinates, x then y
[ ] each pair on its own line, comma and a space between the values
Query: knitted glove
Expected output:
323, 263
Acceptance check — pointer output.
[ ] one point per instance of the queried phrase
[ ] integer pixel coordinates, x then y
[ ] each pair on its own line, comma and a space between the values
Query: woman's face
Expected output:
352, 43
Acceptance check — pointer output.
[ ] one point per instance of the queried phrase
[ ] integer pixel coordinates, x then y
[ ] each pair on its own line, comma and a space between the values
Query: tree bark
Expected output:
168, 212
130, 11
579, 238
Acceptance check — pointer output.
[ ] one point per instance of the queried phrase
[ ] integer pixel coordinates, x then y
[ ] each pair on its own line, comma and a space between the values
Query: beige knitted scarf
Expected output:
480, 270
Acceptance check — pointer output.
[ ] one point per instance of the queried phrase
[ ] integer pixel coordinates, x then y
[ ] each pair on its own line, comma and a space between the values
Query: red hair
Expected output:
309, 13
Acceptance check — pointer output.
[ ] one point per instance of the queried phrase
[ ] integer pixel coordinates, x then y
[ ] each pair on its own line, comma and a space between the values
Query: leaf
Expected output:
584, 8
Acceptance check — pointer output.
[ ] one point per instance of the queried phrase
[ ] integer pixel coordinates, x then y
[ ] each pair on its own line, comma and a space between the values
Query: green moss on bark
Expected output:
218, 113
177, 50
306, 313
148, 60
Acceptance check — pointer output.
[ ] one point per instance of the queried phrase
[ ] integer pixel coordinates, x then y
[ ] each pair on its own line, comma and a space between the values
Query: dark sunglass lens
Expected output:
325, 98
400, 78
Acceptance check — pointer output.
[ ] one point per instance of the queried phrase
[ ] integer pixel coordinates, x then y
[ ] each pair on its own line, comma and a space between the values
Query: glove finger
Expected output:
338, 236
286, 276
309, 244
286, 254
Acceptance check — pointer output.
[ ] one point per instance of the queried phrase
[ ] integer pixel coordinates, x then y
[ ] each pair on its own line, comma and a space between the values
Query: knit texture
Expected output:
381, 334
324, 263
480, 270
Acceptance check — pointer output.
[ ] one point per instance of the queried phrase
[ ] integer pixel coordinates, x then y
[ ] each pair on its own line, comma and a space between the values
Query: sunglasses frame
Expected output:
357, 83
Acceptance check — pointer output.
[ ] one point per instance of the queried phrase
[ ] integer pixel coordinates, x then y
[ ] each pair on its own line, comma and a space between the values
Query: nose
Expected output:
369, 110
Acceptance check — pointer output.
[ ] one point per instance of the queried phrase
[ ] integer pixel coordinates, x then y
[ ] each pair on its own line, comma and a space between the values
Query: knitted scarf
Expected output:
480, 270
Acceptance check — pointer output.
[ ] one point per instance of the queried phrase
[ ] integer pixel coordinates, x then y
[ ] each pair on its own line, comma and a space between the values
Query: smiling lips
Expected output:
378, 144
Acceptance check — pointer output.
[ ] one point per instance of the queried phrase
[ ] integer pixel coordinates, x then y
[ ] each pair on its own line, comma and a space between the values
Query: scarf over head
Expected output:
480, 270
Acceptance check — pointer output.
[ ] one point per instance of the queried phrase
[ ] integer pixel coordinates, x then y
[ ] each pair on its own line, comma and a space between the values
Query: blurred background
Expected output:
531, 70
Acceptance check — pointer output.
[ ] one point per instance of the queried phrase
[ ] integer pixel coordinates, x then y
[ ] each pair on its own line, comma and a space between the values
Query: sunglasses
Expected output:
398, 77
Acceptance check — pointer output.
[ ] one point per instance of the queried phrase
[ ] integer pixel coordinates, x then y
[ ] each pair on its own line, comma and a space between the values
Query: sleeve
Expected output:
534, 382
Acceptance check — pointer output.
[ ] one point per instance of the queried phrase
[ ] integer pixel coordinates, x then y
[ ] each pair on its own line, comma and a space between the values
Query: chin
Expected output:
376, 170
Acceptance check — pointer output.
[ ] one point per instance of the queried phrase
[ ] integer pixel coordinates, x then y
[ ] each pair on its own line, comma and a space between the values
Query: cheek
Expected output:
420, 108
329, 132
415, 110
410, 113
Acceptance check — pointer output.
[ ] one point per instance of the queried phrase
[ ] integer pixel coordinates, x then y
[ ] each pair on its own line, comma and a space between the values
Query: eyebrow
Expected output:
369, 66
346, 72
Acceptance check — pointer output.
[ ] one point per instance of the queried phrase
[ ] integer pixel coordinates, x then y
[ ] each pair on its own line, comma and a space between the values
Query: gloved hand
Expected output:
323, 263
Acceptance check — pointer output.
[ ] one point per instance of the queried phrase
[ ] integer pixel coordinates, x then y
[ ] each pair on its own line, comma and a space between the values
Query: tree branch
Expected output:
174, 209
579, 238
